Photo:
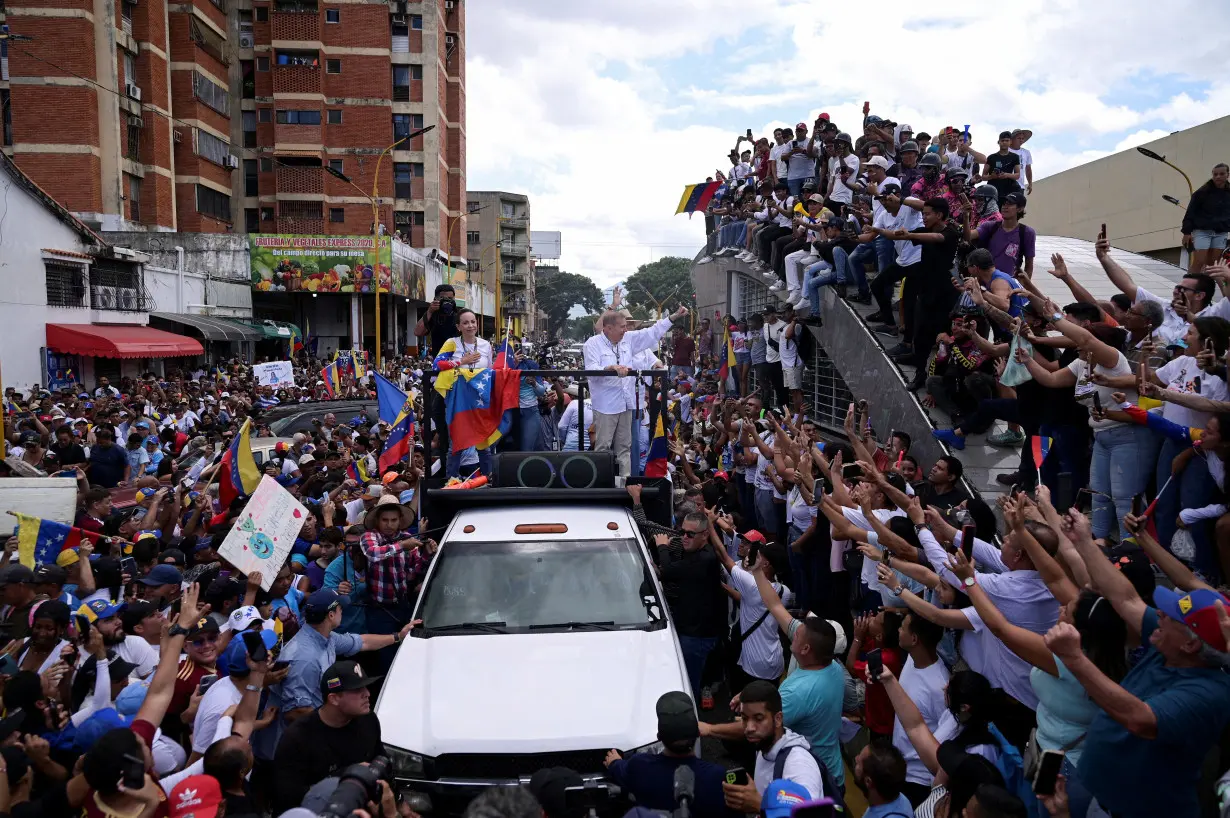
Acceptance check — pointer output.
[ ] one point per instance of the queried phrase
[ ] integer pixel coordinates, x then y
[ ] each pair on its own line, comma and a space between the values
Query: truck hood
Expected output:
528, 693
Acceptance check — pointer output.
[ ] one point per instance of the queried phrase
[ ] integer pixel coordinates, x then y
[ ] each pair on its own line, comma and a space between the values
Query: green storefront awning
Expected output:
274, 330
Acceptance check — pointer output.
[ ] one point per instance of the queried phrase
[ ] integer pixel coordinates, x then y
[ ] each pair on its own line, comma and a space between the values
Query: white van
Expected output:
545, 642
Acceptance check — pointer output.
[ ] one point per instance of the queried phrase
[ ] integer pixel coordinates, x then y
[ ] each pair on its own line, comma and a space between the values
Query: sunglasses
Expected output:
687, 533
205, 639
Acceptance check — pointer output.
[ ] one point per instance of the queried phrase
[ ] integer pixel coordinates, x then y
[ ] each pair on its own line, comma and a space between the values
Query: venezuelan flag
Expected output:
478, 404
444, 358
728, 360
392, 400
400, 440
237, 472
332, 381
697, 197
1041, 447
504, 356
40, 541
356, 472
655, 458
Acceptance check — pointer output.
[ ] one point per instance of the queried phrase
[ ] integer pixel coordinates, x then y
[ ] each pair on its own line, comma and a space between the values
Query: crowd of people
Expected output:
883, 637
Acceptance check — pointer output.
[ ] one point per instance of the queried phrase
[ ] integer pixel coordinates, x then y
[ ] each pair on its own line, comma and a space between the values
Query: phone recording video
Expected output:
875, 664
968, 532
256, 646
1049, 767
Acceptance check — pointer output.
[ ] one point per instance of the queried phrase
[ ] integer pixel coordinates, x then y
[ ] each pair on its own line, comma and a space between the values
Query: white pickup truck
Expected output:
545, 642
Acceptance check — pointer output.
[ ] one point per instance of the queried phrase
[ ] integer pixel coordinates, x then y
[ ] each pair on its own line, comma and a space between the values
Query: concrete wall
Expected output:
1125, 191
216, 271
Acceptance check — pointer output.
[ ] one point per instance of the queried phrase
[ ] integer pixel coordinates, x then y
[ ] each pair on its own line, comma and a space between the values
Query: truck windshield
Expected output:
541, 585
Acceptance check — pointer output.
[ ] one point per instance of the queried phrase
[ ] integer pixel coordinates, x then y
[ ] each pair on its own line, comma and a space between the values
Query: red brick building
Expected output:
262, 98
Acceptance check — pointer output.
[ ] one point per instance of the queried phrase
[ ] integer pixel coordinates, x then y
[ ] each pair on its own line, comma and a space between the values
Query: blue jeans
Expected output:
800, 567
1193, 488
1079, 798
796, 185
818, 275
766, 514
696, 650
1119, 472
530, 434
453, 467
1069, 453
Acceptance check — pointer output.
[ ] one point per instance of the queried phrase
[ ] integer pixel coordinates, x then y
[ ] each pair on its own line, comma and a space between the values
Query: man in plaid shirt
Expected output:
396, 564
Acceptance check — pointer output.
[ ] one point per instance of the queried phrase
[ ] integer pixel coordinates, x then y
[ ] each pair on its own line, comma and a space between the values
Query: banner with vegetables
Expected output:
322, 264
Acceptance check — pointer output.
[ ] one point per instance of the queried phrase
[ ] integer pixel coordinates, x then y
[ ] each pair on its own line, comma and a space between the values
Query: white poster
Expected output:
274, 373
264, 533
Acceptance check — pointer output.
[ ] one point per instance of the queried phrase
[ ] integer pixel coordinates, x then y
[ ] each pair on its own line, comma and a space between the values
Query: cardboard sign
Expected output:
274, 373
262, 537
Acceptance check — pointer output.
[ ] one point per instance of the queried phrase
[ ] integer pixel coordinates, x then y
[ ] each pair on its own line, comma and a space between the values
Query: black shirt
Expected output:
928, 496
936, 264
440, 328
998, 163
692, 583
311, 750
67, 456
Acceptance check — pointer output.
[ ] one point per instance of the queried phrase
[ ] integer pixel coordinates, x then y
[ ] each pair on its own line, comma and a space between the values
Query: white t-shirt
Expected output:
775, 155
1174, 326
1121, 367
950, 728
1027, 159
876, 207
787, 204
907, 219
759, 478
926, 688
868, 573
761, 654
799, 512
141, 653
790, 348
1180, 375
773, 332
839, 191
216, 701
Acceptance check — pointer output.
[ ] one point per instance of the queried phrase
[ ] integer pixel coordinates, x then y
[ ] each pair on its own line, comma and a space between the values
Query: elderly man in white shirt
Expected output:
1008, 577
613, 399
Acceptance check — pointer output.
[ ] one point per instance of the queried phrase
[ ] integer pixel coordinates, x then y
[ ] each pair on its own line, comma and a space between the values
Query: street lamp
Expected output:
1156, 157
1174, 201
374, 198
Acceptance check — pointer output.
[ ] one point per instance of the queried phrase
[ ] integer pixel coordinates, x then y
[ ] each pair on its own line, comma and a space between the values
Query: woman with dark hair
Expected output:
879, 631
48, 624
960, 776
1207, 219
1119, 449
466, 351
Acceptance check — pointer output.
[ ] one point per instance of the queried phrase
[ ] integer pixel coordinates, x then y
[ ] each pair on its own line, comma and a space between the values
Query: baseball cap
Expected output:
343, 675
242, 618
1197, 610
234, 658
721, 475
802, 125
49, 572
781, 797
873, 119
676, 717
67, 557
817, 198
142, 424
16, 574
319, 605
307, 458
1016, 197
197, 796
889, 190
135, 612
909, 146
824, 116
549, 786
374, 490
753, 536
879, 162
163, 575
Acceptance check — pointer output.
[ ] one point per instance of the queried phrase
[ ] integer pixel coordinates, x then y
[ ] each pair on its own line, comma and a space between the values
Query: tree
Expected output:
579, 329
667, 280
562, 293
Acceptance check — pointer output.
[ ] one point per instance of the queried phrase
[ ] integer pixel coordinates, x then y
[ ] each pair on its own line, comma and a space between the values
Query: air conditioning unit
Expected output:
136, 122
450, 40
126, 298
176, 136
133, 90
103, 298
450, 5
399, 19
232, 161
246, 39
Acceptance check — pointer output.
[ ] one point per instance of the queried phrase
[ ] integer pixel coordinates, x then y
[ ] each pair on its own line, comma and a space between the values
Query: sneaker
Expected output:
885, 329
954, 440
1007, 438
777, 288
861, 298
904, 357
1007, 479
875, 317
768, 274
705, 260
900, 349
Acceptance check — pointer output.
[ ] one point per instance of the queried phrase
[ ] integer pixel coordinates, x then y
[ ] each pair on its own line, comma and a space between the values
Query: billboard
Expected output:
321, 264
546, 244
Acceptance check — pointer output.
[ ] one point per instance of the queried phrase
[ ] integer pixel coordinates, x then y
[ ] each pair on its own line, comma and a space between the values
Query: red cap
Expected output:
197, 796
754, 536
802, 125
722, 475
825, 117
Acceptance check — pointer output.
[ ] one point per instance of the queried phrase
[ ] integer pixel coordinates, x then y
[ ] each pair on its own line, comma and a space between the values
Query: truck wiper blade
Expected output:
485, 627
577, 626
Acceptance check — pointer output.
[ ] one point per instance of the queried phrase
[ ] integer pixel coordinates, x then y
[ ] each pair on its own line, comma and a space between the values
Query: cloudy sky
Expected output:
602, 111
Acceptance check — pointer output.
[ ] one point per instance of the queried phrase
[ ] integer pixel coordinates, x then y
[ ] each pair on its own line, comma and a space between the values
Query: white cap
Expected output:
879, 161
307, 458
242, 618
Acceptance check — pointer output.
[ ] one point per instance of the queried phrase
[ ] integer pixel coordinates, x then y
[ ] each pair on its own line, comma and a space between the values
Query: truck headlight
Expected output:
655, 748
405, 763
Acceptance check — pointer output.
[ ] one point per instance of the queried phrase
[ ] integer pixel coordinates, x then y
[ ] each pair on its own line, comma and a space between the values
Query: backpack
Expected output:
831, 788
1025, 231
805, 343
1011, 766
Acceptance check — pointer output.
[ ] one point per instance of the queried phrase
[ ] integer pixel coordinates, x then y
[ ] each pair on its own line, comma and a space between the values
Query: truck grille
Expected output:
467, 765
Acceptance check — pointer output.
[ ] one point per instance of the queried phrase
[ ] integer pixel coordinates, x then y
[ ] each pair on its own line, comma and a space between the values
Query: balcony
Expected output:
515, 223
518, 304
296, 79
515, 279
514, 250
292, 180
299, 23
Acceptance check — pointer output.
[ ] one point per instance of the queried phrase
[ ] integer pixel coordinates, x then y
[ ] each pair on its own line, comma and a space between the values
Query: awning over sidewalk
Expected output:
120, 341
212, 329
275, 330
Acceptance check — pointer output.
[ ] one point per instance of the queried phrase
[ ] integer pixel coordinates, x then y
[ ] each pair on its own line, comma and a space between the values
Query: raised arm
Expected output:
1024, 643
945, 617
911, 719
1179, 573
1117, 275
769, 597
1107, 579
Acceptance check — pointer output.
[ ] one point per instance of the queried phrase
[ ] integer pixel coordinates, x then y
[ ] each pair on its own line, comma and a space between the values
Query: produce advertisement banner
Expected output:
322, 264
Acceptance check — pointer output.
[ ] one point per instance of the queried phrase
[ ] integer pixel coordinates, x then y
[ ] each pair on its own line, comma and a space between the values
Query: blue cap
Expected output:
142, 424
130, 698
93, 728
236, 653
163, 575
101, 609
299, 559
781, 797
319, 605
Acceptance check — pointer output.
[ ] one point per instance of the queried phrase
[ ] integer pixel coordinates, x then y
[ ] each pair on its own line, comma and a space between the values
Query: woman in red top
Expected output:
873, 631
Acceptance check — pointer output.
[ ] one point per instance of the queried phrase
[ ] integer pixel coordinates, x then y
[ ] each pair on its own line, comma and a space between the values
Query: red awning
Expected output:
119, 341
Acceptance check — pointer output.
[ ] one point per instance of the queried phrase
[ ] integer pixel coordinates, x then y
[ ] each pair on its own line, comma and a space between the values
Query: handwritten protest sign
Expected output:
264, 533
274, 373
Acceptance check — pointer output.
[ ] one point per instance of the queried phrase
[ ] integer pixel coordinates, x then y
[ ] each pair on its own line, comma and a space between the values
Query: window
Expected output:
336, 164
473, 237
212, 148
416, 22
510, 267
401, 83
298, 117
409, 218
251, 220
403, 175
251, 181
309, 58
266, 114
6, 118
333, 15
333, 66
262, 14
473, 207
215, 203
262, 63
249, 128
266, 214
335, 116
266, 165
65, 284
507, 210
130, 67
134, 198
416, 72
133, 146
337, 214
406, 124
401, 38
210, 93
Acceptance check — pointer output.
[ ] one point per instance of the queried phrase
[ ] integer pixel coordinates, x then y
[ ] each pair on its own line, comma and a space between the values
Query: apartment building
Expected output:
498, 249
243, 115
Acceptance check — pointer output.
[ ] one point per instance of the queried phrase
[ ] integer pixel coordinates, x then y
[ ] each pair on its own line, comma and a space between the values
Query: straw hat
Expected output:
386, 502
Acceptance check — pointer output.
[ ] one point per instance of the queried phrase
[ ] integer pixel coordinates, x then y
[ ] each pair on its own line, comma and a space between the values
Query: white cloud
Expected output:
602, 112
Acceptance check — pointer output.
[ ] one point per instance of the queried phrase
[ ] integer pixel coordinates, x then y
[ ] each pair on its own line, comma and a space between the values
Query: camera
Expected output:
358, 785
448, 306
